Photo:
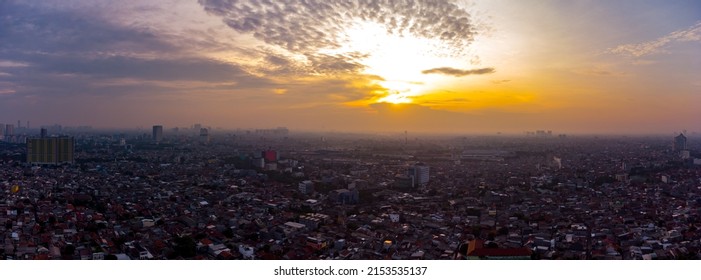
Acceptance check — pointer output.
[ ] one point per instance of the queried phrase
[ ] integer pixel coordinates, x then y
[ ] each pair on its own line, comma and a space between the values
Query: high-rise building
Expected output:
270, 155
204, 136
44, 133
9, 130
680, 142
419, 173
157, 133
50, 150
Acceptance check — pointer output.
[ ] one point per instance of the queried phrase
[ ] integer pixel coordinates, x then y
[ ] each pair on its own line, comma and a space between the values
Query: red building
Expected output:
270, 156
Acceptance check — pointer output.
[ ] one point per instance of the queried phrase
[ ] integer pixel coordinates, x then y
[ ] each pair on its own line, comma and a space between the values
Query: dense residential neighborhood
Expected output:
272, 194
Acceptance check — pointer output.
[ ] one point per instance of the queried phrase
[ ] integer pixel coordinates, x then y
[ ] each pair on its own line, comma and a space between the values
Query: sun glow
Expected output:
397, 58
395, 98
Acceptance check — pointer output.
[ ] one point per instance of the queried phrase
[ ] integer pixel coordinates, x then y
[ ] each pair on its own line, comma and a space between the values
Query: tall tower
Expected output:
680, 142
420, 174
4, 134
157, 133
204, 136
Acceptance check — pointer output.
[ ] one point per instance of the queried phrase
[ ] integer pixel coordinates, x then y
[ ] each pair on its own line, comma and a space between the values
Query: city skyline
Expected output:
305, 197
375, 66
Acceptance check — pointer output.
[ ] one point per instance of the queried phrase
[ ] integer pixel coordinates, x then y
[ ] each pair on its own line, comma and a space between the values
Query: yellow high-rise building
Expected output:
50, 150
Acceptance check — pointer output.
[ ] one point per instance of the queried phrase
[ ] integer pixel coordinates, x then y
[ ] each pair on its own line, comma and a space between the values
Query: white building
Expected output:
420, 174
306, 187
247, 252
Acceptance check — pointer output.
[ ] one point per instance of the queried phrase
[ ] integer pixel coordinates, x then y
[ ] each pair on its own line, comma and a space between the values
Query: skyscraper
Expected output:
44, 133
680, 142
50, 150
270, 155
204, 136
420, 174
9, 130
157, 133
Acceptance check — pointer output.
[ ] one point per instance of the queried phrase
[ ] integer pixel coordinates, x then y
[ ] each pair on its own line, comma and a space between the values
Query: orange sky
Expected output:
465, 66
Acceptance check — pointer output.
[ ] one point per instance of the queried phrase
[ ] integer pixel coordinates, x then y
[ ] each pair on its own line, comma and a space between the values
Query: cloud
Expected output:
315, 24
74, 75
62, 51
164, 69
9, 63
277, 60
56, 54
322, 63
691, 34
305, 28
458, 72
123, 63
33, 28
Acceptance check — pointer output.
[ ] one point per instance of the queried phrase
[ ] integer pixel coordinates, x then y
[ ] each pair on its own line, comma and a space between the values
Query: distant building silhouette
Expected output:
50, 150
204, 136
157, 133
680, 142
8, 134
274, 131
9, 130
196, 128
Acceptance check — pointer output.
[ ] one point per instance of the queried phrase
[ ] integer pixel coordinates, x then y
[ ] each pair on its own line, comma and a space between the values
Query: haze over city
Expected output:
423, 66
350, 131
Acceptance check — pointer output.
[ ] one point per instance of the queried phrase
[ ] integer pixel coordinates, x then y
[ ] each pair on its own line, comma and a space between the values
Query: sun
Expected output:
398, 58
395, 98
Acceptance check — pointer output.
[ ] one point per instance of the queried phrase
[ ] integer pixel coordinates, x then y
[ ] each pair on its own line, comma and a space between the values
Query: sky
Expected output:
375, 66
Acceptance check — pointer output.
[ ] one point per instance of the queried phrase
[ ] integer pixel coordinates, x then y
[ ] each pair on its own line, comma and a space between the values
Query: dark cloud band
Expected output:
458, 72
